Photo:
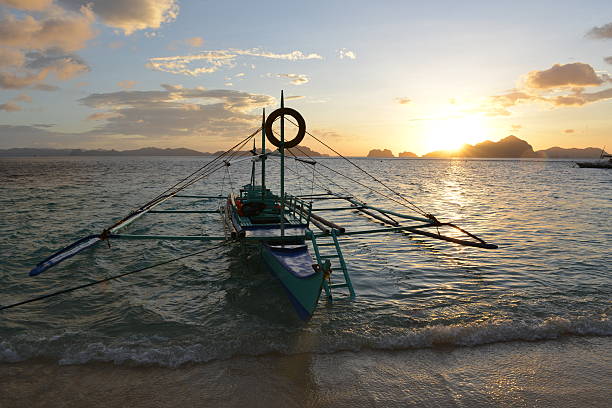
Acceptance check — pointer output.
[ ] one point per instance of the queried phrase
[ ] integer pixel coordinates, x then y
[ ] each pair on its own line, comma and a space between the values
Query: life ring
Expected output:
301, 123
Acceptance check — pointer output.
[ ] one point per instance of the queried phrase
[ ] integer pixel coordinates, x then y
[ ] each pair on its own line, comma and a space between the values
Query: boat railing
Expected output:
299, 208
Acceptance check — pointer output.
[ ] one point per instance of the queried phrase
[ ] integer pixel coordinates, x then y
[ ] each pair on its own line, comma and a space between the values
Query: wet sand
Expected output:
570, 372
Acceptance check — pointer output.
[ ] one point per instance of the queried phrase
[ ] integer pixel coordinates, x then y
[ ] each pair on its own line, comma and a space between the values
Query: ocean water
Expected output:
548, 281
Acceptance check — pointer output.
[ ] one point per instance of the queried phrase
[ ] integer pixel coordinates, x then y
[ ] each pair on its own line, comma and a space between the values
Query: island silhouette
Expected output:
508, 147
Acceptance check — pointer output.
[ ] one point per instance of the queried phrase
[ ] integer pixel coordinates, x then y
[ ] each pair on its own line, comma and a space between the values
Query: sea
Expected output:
433, 324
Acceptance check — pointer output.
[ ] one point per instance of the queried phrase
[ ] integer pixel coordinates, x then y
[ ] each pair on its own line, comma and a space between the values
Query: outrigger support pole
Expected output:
263, 155
282, 168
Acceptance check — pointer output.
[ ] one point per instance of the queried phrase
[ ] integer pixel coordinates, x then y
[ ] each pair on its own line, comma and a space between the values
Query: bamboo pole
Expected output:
184, 211
376, 216
263, 155
282, 169
415, 230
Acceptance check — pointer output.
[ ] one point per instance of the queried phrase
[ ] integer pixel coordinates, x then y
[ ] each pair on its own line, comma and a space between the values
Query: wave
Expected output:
74, 348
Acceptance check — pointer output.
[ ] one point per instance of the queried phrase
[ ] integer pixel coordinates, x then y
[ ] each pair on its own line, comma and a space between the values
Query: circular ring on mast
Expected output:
301, 123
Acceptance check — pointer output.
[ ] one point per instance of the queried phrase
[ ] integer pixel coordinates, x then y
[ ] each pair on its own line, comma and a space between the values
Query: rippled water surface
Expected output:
549, 277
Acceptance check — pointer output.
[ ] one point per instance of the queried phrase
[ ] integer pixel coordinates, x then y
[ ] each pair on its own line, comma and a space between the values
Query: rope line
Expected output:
238, 145
72, 289
323, 187
189, 180
363, 185
414, 206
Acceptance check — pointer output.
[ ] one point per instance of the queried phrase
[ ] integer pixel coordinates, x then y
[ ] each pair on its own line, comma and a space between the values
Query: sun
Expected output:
452, 133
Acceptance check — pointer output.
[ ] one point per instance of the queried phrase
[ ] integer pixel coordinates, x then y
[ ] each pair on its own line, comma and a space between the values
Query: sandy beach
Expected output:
570, 372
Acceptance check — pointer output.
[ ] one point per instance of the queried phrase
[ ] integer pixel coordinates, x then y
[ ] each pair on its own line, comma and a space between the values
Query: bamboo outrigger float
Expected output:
283, 227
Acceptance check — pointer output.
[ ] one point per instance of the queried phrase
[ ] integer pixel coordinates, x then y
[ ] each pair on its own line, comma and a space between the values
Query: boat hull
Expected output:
595, 165
293, 268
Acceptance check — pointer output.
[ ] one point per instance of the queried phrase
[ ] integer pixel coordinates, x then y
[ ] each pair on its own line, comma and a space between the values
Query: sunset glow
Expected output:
430, 76
322, 203
452, 133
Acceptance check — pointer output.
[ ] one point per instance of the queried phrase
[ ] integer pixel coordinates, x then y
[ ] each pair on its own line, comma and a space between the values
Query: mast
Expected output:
253, 165
263, 157
282, 167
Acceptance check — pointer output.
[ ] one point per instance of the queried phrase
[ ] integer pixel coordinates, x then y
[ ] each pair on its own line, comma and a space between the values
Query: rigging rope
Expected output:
324, 188
436, 223
366, 186
414, 206
313, 177
189, 180
411, 207
63, 291
238, 145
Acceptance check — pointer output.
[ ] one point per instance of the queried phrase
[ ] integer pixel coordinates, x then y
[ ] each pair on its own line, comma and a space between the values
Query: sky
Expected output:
402, 75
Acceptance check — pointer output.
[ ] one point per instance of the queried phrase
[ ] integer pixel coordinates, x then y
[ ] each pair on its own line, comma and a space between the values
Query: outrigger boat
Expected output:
283, 227
602, 163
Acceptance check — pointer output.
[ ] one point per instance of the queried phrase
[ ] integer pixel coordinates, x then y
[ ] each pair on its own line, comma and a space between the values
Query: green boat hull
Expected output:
303, 292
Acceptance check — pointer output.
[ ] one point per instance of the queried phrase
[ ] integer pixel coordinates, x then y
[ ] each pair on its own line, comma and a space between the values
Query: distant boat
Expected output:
602, 163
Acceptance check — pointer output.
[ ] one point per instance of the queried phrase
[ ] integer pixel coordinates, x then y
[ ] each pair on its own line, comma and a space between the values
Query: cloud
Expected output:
402, 100
195, 41
579, 98
23, 98
132, 15
290, 56
212, 60
22, 135
605, 31
183, 115
568, 131
180, 64
31, 49
103, 115
126, 84
172, 88
176, 111
516, 128
38, 66
498, 104
561, 85
10, 107
288, 98
576, 74
11, 81
296, 79
32, 5
10, 57
328, 134
66, 31
511, 98
64, 66
45, 87
344, 53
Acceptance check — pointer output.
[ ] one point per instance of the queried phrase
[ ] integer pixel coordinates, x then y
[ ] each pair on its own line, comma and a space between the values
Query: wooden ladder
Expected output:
325, 259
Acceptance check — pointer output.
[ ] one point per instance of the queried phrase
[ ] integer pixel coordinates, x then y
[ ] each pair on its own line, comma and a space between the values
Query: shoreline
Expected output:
571, 372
